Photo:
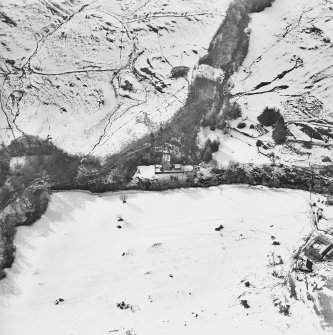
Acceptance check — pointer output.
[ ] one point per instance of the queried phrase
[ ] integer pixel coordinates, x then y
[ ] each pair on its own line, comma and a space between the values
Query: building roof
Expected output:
318, 248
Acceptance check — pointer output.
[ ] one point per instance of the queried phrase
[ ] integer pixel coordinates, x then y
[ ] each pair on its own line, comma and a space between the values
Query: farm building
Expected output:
165, 169
319, 248
250, 128
166, 161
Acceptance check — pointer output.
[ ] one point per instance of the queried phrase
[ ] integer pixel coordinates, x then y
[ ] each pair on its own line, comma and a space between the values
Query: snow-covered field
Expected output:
165, 261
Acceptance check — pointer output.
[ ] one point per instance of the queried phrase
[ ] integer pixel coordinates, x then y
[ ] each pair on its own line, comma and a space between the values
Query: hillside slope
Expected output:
288, 67
93, 75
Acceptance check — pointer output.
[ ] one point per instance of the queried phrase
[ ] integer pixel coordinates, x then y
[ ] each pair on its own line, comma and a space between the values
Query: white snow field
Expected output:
177, 274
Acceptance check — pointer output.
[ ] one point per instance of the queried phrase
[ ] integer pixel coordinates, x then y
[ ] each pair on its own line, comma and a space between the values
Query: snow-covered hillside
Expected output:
92, 75
288, 66
181, 262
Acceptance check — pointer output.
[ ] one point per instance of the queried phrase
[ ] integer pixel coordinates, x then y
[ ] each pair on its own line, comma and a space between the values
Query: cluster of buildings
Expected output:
166, 169
250, 128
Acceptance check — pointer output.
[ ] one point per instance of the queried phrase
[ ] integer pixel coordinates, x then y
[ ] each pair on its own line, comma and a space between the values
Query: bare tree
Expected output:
123, 198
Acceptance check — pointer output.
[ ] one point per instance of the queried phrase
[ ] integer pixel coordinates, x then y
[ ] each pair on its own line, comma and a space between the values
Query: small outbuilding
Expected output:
319, 248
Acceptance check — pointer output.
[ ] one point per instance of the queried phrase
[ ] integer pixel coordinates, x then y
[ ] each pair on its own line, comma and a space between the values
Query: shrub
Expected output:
127, 86
326, 159
241, 125
269, 117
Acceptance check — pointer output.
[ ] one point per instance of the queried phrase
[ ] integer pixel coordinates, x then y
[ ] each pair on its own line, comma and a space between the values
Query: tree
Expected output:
205, 122
234, 112
152, 138
222, 124
207, 156
259, 144
269, 117
259, 5
214, 146
4, 170
280, 133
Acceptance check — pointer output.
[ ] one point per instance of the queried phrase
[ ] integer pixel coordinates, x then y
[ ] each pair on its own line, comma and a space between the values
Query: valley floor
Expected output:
195, 261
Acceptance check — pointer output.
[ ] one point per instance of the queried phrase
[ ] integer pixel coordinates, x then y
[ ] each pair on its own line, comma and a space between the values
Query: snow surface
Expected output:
178, 274
234, 147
